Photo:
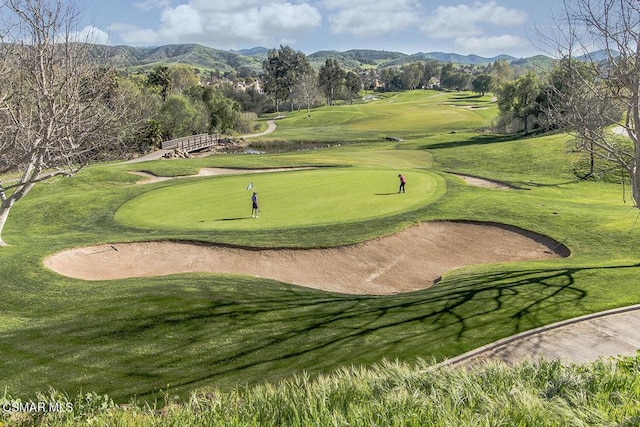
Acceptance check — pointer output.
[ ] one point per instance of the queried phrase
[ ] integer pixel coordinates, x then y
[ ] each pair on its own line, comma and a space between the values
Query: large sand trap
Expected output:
407, 261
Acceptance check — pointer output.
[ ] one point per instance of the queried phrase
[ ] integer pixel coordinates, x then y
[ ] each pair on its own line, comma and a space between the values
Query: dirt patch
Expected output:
410, 260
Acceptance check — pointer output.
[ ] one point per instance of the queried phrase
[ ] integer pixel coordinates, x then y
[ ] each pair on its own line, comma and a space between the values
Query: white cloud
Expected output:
466, 21
369, 18
152, 4
230, 6
90, 34
229, 23
489, 44
225, 24
184, 20
131, 34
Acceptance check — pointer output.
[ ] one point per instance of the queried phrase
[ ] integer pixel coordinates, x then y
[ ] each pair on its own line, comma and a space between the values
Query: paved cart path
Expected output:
582, 339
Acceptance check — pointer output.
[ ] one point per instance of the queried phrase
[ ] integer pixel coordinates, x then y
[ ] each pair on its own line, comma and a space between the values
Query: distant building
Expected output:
256, 85
433, 82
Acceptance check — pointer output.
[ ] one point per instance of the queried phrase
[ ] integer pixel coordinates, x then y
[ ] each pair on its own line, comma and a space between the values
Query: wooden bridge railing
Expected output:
191, 143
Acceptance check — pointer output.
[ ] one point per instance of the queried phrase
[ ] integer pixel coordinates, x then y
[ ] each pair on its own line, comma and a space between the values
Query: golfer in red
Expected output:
402, 183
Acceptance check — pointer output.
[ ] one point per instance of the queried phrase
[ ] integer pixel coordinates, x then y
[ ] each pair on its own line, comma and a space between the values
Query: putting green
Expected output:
287, 199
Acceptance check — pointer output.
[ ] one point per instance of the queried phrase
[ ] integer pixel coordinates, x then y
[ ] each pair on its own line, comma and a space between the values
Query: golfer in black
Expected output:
255, 210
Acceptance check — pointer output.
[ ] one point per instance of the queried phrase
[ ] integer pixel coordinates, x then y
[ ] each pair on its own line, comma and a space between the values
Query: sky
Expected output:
482, 27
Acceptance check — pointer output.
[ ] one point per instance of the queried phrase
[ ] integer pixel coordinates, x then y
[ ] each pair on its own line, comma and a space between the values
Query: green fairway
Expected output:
287, 199
142, 336
411, 115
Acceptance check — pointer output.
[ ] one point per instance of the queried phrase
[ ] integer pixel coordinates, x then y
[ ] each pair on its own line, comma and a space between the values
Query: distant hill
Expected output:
536, 63
210, 59
597, 56
447, 57
254, 51
460, 59
356, 58
202, 57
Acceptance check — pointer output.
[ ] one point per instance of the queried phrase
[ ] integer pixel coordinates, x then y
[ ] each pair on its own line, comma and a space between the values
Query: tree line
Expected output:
291, 81
289, 77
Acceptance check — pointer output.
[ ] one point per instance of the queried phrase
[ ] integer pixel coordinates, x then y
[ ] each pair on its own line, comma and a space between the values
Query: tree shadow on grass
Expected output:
475, 140
226, 331
550, 185
460, 97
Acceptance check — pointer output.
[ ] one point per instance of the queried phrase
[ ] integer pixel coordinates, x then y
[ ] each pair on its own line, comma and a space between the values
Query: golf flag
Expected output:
250, 186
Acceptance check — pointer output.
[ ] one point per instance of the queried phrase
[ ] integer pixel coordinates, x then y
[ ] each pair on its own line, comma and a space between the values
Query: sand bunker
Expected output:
150, 178
483, 182
407, 261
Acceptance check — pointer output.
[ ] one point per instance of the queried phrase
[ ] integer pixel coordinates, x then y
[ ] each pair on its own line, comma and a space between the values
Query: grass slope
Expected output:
394, 394
139, 336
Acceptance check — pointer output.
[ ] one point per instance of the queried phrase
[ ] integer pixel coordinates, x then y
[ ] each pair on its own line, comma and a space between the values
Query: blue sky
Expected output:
482, 27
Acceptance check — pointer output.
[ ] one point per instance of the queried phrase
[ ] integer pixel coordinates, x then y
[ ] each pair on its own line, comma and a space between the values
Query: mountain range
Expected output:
210, 59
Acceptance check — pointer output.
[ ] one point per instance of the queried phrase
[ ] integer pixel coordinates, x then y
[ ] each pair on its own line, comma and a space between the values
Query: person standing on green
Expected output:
255, 210
403, 181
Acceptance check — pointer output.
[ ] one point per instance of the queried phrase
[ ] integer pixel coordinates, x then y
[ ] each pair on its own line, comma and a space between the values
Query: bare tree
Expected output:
58, 108
306, 90
590, 98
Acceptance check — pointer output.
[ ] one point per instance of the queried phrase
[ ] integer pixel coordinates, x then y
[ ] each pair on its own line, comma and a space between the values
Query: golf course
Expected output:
112, 331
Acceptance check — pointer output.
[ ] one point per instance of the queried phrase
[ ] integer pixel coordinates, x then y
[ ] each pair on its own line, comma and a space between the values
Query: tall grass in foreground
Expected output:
606, 392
